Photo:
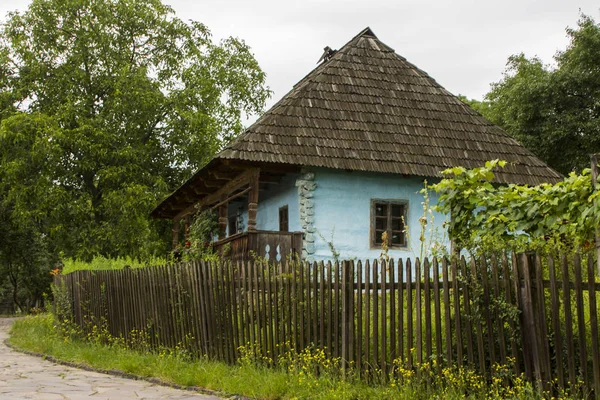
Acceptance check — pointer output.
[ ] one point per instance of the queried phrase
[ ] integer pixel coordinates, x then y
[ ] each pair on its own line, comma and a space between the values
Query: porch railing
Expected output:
271, 245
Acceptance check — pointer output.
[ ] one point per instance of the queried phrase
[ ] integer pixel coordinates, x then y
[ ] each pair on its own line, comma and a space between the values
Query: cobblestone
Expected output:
28, 377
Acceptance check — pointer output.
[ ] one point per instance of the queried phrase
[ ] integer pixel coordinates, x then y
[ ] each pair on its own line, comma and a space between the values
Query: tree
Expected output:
110, 105
553, 111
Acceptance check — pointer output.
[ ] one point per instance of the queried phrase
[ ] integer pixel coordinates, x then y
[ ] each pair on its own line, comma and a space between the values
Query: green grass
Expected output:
40, 334
102, 263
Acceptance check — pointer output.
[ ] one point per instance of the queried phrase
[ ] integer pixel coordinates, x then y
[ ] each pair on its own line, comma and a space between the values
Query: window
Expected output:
283, 219
388, 216
233, 225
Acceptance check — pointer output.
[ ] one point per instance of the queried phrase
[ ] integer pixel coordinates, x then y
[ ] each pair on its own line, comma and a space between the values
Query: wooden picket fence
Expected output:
538, 315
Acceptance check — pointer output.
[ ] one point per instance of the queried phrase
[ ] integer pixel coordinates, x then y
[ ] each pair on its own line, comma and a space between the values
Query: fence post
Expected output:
530, 324
347, 290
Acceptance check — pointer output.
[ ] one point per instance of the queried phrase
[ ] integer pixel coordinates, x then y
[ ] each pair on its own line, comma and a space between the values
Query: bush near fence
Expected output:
537, 315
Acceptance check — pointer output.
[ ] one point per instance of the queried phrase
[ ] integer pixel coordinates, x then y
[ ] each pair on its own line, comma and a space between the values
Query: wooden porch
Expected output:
223, 182
270, 245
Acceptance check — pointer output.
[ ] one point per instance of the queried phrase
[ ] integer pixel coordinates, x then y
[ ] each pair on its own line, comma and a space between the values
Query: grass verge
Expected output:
248, 378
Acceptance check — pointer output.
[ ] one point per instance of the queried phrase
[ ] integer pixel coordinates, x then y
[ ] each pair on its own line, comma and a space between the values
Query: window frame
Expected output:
373, 218
284, 209
232, 222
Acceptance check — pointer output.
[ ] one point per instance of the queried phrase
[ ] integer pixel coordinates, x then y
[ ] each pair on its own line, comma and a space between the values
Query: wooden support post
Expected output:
594, 159
187, 223
223, 208
176, 228
253, 202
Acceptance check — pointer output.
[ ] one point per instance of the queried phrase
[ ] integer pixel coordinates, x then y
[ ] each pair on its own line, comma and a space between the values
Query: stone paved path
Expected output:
28, 377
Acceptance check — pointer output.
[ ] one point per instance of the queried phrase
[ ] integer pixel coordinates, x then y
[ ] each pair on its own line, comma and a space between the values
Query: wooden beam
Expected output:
176, 228
270, 178
223, 176
253, 203
223, 205
241, 180
231, 198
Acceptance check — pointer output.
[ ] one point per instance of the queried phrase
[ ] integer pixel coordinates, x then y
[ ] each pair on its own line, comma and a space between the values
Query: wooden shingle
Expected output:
369, 109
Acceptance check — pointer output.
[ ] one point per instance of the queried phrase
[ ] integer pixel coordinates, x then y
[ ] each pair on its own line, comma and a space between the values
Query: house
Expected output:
341, 158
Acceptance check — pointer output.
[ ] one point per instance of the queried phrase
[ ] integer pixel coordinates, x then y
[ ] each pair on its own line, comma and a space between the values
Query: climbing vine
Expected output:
202, 231
487, 216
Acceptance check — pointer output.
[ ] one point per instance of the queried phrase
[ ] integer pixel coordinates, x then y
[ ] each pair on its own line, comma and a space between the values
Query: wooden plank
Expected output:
241, 300
315, 297
409, 315
336, 311
351, 309
531, 355
383, 362
568, 320
329, 305
594, 326
218, 309
376, 359
514, 348
418, 313
478, 327
447, 316
438, 314
235, 276
322, 321
368, 315
286, 264
542, 325
498, 319
203, 312
491, 345
212, 305
309, 310
270, 331
555, 313
359, 318
276, 310
467, 307
580, 318
228, 309
393, 348
303, 305
257, 293
295, 265
345, 317
233, 312
400, 271
457, 316
427, 300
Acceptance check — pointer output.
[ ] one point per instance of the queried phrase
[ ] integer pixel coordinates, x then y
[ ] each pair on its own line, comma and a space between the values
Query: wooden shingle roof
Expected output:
369, 109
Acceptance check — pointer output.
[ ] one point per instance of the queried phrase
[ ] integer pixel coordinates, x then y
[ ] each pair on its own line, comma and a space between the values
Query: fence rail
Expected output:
539, 315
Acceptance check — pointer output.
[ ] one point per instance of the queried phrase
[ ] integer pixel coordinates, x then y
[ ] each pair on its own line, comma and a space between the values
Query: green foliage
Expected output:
106, 106
25, 261
485, 216
102, 263
202, 231
553, 111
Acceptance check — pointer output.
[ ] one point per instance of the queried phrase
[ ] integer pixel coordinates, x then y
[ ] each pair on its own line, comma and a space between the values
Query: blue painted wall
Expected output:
276, 196
269, 201
343, 205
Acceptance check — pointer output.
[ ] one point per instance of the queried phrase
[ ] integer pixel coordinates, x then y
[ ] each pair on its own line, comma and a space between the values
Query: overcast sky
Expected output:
462, 44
